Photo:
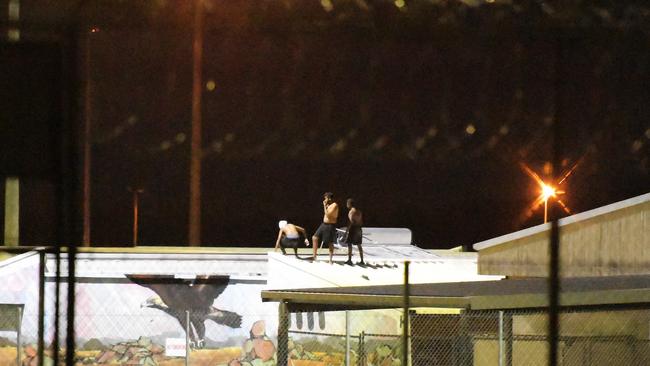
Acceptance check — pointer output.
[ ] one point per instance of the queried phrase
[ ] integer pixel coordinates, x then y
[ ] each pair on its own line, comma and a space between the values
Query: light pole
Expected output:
547, 192
87, 133
194, 236
136, 195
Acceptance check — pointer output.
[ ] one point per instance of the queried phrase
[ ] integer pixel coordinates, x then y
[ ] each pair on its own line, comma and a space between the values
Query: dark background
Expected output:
424, 115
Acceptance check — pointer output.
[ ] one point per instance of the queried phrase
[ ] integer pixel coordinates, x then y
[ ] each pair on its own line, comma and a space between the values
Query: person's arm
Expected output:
304, 233
351, 217
332, 209
277, 242
350, 222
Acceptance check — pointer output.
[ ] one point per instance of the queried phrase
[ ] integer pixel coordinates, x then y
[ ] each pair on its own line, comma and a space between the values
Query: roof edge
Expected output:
357, 300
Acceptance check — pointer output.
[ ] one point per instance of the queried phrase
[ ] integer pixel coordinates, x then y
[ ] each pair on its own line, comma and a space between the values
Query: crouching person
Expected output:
290, 236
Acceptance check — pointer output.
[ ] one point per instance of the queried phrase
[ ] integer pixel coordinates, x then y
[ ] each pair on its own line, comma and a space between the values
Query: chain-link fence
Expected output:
440, 337
363, 337
586, 337
151, 320
19, 309
120, 322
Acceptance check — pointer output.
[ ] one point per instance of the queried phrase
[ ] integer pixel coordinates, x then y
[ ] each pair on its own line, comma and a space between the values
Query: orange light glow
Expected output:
547, 191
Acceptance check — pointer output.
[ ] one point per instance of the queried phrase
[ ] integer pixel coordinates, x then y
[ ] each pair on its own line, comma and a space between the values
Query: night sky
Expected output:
424, 115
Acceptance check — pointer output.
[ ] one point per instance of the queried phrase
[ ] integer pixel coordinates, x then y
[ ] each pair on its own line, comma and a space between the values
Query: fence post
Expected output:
361, 354
347, 338
187, 337
41, 305
283, 334
501, 348
19, 315
508, 337
405, 323
464, 352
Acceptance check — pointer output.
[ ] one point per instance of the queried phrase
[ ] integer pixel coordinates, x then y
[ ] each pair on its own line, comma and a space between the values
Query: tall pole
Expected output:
136, 194
501, 341
405, 324
545, 210
85, 241
12, 212
194, 237
561, 77
283, 333
41, 305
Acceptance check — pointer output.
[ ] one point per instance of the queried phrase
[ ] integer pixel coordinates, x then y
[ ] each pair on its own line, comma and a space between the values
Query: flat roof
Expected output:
508, 294
143, 250
111, 264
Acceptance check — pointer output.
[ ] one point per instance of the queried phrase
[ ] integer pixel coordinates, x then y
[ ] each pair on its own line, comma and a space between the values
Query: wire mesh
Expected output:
117, 321
19, 312
114, 324
440, 337
117, 328
594, 337
337, 338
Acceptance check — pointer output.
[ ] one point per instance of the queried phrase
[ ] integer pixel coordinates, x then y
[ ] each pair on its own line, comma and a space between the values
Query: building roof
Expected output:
384, 266
111, 264
612, 240
510, 294
384, 247
576, 219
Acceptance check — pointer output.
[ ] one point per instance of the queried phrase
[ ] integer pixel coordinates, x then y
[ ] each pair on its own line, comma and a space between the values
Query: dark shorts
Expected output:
355, 235
326, 233
290, 242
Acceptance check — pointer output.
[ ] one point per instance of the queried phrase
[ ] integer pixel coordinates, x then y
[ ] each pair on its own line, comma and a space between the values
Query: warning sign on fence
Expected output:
175, 347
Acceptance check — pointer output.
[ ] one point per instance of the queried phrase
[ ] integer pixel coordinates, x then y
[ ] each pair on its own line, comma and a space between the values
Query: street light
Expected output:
136, 192
194, 235
547, 191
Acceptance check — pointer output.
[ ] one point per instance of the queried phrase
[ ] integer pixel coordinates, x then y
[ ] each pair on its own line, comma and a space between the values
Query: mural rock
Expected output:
140, 352
258, 349
298, 352
31, 357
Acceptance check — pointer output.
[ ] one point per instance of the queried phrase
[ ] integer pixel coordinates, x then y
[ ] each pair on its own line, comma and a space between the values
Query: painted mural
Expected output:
189, 300
139, 319
142, 319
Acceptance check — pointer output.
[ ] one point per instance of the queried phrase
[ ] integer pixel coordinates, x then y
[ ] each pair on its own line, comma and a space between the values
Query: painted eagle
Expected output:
178, 295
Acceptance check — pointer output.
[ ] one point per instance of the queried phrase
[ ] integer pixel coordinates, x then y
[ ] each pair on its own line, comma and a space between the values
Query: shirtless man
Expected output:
289, 237
354, 234
326, 232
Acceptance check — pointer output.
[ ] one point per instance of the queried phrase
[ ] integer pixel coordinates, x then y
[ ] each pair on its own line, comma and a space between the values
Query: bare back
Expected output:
291, 231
